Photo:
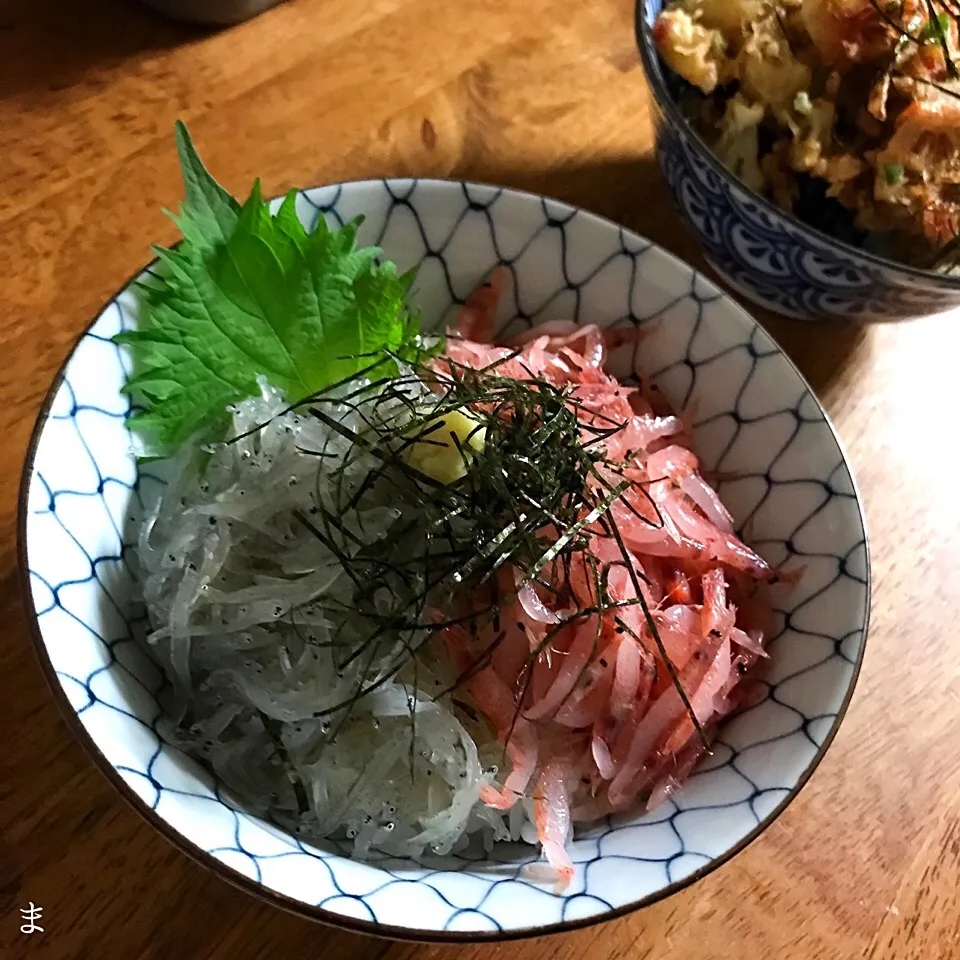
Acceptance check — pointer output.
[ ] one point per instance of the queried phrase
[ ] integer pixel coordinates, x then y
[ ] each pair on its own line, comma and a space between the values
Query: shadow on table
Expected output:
631, 191
49, 46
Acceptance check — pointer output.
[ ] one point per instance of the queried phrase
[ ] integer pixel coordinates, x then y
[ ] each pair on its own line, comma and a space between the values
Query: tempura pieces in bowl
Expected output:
832, 106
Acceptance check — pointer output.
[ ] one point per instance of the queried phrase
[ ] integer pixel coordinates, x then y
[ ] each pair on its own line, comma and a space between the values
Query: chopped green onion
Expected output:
936, 28
893, 173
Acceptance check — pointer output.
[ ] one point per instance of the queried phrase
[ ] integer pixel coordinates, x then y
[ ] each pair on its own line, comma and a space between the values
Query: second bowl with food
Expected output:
811, 148
474, 636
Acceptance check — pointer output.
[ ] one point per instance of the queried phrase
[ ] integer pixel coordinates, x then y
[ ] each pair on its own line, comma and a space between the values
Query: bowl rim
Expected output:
310, 911
666, 102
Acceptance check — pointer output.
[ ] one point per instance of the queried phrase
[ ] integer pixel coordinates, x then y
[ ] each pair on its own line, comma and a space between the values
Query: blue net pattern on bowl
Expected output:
785, 480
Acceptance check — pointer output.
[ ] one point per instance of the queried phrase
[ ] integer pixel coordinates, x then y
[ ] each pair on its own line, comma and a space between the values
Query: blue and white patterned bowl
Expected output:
758, 425
769, 256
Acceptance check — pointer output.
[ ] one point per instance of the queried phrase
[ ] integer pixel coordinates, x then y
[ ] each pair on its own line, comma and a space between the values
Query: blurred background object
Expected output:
222, 12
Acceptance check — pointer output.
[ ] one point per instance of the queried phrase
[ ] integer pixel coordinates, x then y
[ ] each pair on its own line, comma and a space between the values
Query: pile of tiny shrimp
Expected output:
595, 724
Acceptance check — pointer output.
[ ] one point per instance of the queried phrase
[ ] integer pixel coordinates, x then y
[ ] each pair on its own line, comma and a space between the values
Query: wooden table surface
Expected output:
542, 94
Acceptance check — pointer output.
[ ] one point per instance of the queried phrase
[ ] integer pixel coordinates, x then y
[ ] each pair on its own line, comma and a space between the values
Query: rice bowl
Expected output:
703, 345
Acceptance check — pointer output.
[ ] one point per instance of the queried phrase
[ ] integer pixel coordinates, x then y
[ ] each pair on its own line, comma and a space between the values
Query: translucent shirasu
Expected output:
253, 622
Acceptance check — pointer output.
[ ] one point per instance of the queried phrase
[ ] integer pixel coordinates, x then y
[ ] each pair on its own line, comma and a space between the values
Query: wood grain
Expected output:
542, 94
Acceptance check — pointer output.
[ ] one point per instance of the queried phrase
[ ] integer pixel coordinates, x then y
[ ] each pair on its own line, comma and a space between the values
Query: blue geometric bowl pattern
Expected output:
757, 425
769, 256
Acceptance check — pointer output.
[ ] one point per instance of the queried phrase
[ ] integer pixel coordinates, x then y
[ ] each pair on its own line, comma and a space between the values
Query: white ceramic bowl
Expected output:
758, 424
